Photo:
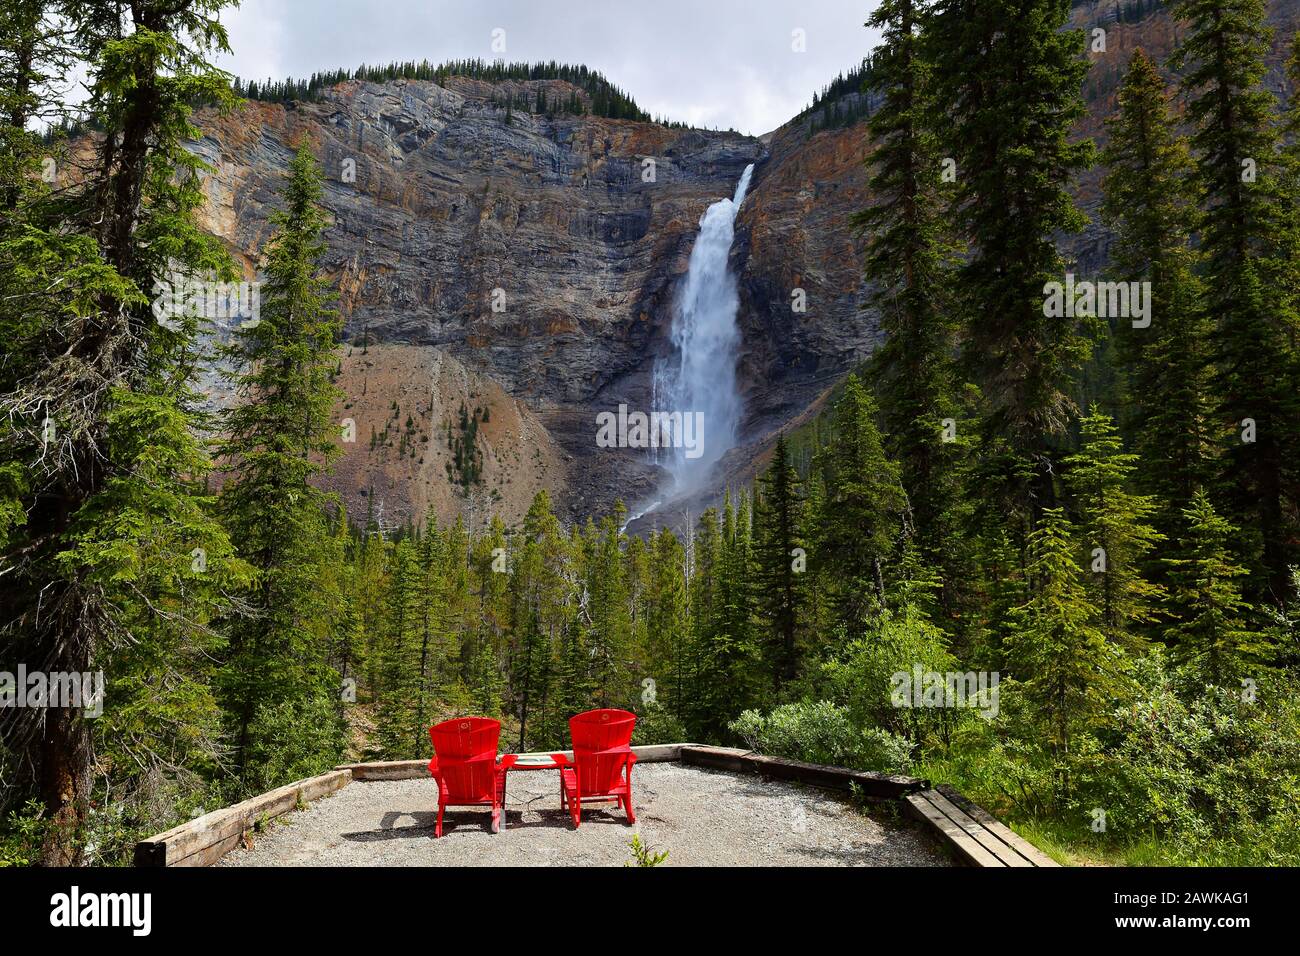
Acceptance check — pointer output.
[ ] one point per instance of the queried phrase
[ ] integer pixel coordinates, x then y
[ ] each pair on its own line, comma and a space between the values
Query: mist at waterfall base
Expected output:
700, 375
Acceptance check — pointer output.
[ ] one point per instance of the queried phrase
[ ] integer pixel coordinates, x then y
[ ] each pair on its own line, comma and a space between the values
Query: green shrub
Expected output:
295, 740
1198, 761
860, 677
822, 732
21, 834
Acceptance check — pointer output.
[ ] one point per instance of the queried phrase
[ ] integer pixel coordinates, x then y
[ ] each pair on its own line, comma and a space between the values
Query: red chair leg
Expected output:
496, 819
437, 830
571, 796
627, 804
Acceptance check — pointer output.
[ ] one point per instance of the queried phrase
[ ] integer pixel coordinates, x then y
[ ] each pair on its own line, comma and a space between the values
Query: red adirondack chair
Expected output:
602, 762
464, 764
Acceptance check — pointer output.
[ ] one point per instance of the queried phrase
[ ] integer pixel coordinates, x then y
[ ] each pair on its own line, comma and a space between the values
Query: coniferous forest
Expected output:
1104, 514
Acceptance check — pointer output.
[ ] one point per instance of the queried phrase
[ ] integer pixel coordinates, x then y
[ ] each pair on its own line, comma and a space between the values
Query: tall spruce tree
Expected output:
668, 626
100, 470
608, 638
780, 561
1009, 77
397, 656
1221, 57
1151, 203
1212, 624
533, 599
1113, 524
1056, 649
909, 262
705, 686
735, 654
279, 436
864, 515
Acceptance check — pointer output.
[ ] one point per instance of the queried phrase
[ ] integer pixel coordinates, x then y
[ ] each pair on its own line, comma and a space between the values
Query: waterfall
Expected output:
701, 376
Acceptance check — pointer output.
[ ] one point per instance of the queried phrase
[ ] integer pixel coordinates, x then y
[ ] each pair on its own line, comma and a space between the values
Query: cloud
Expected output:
714, 63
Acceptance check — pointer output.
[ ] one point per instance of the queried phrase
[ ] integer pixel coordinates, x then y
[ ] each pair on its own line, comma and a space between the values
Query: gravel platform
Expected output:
702, 817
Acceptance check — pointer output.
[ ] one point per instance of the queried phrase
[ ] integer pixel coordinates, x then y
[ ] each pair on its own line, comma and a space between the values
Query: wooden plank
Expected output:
1008, 836
780, 768
977, 831
719, 758
951, 834
322, 786
204, 840
211, 854
658, 753
387, 770
220, 825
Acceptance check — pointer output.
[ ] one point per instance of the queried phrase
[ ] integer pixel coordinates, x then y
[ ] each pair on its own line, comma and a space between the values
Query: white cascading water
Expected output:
705, 336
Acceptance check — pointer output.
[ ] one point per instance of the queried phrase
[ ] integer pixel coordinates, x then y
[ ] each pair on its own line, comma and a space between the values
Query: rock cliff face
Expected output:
531, 263
541, 253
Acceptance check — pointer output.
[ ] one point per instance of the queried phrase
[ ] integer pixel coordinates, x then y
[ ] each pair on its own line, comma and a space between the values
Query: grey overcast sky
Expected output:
712, 63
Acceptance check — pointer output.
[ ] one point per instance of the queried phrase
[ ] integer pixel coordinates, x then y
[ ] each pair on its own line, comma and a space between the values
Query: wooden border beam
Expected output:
204, 840
882, 785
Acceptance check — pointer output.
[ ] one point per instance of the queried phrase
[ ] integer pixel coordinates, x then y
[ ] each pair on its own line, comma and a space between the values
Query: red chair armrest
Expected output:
433, 766
507, 761
615, 750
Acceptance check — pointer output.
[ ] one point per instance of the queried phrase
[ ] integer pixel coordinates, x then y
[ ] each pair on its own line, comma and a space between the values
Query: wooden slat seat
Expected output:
1035, 856
974, 834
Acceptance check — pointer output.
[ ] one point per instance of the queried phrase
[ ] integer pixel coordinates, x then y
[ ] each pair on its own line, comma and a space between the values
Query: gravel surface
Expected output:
702, 817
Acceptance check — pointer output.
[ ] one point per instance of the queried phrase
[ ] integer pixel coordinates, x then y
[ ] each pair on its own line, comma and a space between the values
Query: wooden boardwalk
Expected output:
972, 832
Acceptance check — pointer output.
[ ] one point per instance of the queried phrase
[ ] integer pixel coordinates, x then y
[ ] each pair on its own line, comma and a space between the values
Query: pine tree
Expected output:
817, 590
1211, 629
343, 586
705, 686
1010, 80
97, 411
1150, 201
779, 563
864, 516
668, 624
1113, 525
397, 686
735, 657
909, 263
439, 654
1056, 649
538, 618
1221, 57
279, 437
609, 632
486, 619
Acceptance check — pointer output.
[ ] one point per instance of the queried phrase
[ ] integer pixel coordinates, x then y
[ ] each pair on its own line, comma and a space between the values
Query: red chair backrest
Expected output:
456, 742
594, 731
